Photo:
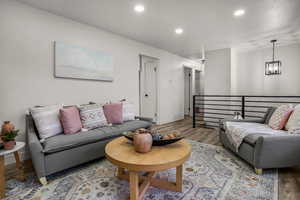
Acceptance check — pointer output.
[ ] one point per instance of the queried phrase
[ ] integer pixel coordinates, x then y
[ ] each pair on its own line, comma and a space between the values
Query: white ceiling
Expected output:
205, 22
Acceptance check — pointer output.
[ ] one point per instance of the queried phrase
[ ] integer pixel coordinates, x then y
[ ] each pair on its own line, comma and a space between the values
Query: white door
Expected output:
148, 87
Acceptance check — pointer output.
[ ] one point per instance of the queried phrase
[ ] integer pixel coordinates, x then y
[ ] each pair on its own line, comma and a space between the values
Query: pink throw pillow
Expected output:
113, 113
280, 117
70, 120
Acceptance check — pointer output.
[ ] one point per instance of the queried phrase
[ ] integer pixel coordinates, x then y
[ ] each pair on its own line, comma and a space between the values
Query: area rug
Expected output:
212, 173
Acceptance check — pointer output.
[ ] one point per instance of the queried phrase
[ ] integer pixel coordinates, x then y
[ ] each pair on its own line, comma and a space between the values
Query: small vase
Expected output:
7, 127
142, 142
9, 145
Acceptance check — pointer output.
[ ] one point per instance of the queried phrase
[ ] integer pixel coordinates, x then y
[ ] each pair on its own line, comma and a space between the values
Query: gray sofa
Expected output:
264, 151
64, 151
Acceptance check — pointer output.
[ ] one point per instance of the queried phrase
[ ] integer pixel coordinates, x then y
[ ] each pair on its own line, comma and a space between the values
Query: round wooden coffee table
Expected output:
121, 153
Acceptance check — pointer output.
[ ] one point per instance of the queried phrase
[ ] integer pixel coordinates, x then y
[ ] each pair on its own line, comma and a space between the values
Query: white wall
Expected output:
26, 62
248, 71
217, 73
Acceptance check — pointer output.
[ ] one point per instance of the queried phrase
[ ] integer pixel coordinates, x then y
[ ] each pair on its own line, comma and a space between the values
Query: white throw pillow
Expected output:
128, 111
46, 119
294, 120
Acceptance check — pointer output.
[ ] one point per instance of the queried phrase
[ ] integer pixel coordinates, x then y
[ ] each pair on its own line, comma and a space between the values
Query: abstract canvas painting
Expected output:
80, 63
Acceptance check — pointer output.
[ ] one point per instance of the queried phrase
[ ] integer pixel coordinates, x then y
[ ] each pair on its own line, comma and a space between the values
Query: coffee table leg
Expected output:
2, 177
134, 185
179, 178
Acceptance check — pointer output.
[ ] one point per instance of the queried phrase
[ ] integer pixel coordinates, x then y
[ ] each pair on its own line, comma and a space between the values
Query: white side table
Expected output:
19, 166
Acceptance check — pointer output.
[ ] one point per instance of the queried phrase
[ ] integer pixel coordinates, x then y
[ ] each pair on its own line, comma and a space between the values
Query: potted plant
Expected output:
8, 139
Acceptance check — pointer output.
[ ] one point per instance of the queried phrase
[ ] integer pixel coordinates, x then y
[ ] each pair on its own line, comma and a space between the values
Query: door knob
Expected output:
146, 95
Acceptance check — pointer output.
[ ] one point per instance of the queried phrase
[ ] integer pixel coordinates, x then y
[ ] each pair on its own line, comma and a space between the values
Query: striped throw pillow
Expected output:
280, 116
92, 116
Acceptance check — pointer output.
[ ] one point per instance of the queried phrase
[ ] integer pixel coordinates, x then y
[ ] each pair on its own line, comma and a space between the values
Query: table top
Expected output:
19, 145
121, 152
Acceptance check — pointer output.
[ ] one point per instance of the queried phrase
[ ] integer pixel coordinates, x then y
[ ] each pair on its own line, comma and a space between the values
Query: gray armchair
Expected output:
264, 151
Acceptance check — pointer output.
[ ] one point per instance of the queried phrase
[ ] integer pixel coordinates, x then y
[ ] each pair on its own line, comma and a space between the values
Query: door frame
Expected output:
156, 119
190, 69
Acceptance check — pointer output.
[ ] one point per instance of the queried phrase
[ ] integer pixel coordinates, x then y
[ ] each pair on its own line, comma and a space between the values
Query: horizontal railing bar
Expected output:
256, 96
273, 101
212, 117
209, 121
255, 111
218, 100
254, 116
215, 113
211, 104
220, 109
258, 106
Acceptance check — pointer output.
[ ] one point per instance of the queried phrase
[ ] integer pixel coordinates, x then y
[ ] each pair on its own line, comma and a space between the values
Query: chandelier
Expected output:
273, 67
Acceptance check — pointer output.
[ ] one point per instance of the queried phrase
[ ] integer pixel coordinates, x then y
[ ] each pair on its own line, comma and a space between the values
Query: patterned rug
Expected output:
212, 173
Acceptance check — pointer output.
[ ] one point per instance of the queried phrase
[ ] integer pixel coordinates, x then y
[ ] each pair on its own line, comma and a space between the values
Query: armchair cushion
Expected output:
237, 132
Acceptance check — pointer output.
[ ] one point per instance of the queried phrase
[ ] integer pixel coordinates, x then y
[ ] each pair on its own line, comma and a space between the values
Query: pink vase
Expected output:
9, 145
142, 142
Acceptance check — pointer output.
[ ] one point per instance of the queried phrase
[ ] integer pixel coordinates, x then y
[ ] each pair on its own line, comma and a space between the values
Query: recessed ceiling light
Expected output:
178, 31
139, 8
238, 13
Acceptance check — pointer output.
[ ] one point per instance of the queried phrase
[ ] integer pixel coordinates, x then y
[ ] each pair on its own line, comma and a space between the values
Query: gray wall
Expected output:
217, 72
247, 72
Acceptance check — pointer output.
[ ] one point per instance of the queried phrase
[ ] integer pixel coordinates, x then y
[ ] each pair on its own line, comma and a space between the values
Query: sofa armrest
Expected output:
148, 119
35, 148
275, 151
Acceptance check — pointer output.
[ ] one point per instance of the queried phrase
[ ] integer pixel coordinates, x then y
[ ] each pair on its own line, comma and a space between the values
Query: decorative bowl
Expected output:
156, 142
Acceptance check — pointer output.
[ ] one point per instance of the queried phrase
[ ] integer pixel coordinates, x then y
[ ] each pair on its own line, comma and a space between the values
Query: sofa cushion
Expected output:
63, 142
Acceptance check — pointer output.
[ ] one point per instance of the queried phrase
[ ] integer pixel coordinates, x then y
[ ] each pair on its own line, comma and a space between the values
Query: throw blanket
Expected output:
237, 131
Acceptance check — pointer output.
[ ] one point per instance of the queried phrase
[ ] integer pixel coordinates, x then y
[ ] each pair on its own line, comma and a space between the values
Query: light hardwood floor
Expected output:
289, 178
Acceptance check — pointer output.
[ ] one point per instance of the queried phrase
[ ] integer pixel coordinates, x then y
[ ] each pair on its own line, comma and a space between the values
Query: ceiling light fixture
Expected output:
273, 67
178, 31
239, 13
139, 8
